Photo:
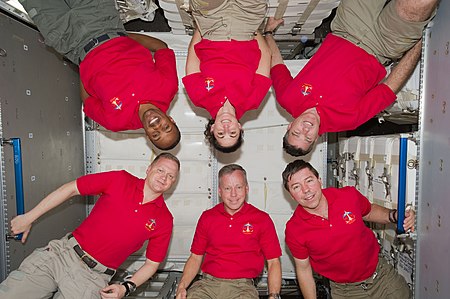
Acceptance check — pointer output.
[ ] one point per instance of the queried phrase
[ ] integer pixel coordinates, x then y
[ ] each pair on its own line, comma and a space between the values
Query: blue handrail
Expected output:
403, 152
20, 204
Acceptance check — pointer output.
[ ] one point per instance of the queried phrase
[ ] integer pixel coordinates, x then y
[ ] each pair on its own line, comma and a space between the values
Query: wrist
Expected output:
268, 32
130, 287
274, 296
393, 216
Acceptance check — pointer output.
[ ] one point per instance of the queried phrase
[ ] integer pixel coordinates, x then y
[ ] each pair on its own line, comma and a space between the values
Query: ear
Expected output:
289, 126
212, 127
172, 120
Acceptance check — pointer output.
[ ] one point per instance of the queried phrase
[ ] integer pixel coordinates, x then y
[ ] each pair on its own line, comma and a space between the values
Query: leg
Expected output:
202, 289
33, 279
389, 284
67, 26
381, 27
417, 10
228, 19
75, 279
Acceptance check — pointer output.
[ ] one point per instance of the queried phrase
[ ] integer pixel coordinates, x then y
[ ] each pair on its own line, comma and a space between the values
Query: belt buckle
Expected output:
95, 41
88, 261
375, 274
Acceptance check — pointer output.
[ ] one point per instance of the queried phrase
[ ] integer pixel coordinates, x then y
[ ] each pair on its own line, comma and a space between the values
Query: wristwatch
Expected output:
274, 296
129, 286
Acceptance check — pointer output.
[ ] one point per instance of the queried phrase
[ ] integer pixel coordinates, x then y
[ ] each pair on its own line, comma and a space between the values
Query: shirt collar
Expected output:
243, 210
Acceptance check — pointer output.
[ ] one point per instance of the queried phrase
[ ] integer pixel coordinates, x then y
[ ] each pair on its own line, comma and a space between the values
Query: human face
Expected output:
161, 175
306, 189
233, 190
304, 130
160, 128
226, 129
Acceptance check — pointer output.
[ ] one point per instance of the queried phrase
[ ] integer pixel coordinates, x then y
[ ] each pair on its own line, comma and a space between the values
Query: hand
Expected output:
272, 24
181, 293
115, 291
410, 219
21, 224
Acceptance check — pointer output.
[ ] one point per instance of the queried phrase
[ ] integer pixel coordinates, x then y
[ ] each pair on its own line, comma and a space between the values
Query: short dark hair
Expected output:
168, 156
294, 167
292, 150
173, 144
227, 169
213, 141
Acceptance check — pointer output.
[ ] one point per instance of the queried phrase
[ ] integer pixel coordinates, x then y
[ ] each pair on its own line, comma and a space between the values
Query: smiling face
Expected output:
161, 175
226, 129
160, 128
306, 189
304, 130
233, 190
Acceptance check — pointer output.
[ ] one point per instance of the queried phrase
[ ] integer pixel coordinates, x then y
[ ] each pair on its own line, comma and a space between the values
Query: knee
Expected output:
417, 10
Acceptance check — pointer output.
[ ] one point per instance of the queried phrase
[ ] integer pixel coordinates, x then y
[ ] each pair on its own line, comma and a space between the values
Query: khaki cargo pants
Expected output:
68, 26
376, 27
228, 19
54, 270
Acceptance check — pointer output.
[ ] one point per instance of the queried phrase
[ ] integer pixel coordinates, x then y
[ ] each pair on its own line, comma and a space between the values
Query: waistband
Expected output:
363, 284
87, 259
94, 42
246, 280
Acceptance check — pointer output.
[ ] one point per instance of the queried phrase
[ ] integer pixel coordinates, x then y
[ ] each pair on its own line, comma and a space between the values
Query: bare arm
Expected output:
23, 223
305, 278
84, 94
192, 61
189, 272
272, 25
379, 214
403, 70
274, 275
151, 43
265, 61
143, 274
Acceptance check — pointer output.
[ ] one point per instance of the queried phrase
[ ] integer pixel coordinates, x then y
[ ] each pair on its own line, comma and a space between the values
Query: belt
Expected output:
88, 261
95, 41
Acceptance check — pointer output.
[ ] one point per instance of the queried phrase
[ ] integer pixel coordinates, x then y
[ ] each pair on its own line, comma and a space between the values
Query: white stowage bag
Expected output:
136, 9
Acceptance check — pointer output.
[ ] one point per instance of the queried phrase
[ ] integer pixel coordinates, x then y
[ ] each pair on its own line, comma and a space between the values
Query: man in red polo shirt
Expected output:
128, 212
228, 66
123, 87
327, 234
231, 242
341, 87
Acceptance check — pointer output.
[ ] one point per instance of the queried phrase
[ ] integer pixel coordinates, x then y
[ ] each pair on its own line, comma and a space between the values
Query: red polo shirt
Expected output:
341, 248
341, 80
235, 246
119, 223
120, 75
227, 71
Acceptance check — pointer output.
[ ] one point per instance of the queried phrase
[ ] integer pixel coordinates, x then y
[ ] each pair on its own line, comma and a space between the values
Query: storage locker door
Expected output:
40, 105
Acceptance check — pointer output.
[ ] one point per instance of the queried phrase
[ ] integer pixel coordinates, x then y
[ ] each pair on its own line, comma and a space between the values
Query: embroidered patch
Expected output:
348, 217
247, 229
209, 83
116, 103
306, 89
151, 224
